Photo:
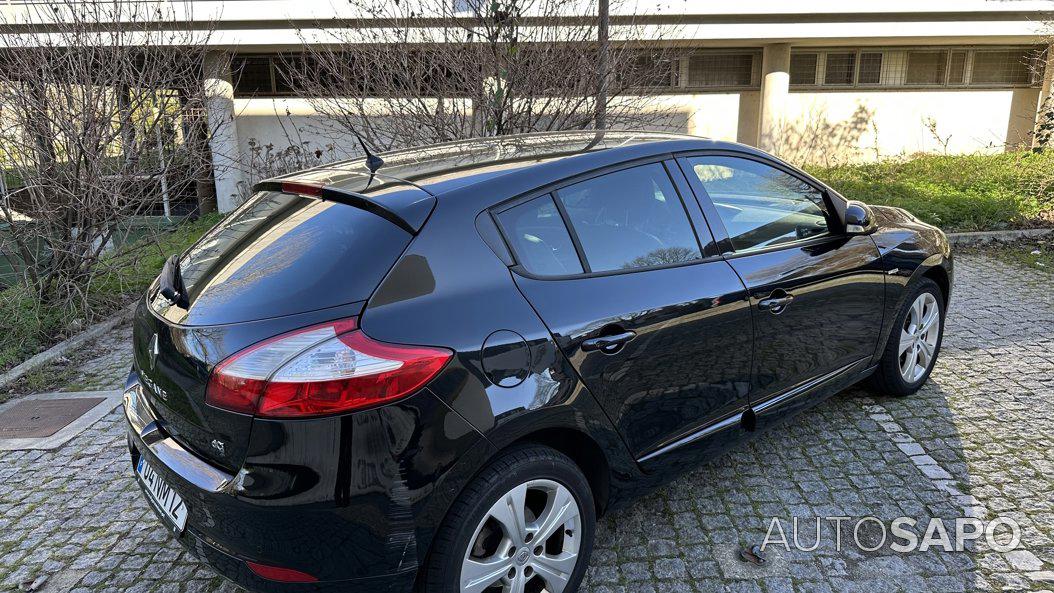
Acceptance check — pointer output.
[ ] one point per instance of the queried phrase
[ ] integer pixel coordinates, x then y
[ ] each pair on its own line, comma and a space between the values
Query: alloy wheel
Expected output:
918, 337
528, 542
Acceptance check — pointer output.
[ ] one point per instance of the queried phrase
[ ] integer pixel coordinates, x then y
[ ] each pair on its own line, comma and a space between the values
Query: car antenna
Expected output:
373, 162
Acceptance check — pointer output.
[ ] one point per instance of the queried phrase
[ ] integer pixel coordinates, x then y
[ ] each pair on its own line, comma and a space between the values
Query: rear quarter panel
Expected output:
450, 289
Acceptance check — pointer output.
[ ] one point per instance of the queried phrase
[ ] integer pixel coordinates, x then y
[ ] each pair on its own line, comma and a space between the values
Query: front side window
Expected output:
760, 205
540, 239
629, 219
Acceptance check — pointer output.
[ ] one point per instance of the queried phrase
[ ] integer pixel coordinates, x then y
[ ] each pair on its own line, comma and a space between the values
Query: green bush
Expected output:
956, 193
27, 326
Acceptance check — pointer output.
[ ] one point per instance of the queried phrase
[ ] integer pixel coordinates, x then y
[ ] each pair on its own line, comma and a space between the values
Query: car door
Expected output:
657, 326
816, 292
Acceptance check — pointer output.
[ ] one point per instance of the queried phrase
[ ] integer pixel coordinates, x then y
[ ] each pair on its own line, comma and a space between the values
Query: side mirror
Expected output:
859, 220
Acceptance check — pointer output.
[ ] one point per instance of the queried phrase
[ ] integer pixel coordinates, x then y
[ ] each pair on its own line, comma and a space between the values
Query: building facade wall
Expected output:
819, 126
843, 102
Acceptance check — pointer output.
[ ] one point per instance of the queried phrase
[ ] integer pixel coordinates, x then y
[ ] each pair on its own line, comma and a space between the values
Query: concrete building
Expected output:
813, 80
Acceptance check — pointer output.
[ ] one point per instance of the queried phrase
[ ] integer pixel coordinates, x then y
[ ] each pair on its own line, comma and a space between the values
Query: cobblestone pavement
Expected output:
976, 441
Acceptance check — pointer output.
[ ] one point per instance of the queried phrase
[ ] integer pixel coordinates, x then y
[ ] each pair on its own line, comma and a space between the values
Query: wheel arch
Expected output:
576, 444
940, 276
583, 450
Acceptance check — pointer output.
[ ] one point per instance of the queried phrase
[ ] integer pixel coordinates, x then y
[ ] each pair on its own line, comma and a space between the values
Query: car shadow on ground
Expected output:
820, 492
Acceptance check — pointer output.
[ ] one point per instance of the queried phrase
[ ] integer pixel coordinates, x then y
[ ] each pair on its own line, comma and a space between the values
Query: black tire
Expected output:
512, 468
887, 378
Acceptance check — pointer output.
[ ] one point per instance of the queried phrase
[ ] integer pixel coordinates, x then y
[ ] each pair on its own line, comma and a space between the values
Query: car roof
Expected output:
440, 168
406, 189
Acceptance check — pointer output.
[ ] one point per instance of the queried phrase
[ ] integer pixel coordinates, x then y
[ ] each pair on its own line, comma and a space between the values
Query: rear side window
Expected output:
538, 236
629, 219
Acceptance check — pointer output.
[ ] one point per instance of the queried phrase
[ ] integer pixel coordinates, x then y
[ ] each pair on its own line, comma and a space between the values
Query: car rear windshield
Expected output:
281, 254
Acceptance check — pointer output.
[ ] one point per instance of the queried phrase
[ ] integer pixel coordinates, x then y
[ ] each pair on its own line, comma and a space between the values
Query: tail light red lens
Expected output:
282, 575
320, 370
304, 189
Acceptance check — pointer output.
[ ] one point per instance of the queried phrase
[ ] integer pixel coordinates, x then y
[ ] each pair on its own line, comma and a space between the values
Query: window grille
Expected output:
840, 70
1003, 67
874, 68
917, 67
926, 67
721, 70
252, 76
870, 68
957, 68
803, 68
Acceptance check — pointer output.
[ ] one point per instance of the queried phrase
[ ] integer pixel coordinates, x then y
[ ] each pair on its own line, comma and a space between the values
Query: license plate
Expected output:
162, 495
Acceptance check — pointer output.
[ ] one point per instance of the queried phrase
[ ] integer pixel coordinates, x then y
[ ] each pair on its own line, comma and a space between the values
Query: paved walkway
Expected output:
978, 440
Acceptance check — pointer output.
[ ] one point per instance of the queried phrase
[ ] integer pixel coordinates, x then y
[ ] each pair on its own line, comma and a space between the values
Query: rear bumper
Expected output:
235, 570
334, 498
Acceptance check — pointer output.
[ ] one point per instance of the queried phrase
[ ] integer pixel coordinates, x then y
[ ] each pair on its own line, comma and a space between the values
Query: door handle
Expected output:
608, 344
777, 302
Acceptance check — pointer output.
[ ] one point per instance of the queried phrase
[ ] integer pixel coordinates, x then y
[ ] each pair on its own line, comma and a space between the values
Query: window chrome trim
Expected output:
552, 190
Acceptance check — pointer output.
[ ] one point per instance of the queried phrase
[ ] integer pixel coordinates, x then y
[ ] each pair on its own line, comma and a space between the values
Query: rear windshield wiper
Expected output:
171, 283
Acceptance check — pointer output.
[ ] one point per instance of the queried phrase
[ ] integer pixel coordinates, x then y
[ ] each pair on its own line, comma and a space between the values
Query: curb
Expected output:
996, 236
64, 346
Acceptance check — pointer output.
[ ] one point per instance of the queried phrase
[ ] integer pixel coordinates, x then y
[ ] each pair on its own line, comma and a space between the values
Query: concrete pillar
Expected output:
223, 131
775, 87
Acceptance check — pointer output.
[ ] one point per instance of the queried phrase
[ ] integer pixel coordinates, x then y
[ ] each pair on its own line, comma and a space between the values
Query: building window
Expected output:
649, 71
926, 67
803, 69
917, 67
252, 76
870, 68
841, 67
1011, 66
957, 68
722, 70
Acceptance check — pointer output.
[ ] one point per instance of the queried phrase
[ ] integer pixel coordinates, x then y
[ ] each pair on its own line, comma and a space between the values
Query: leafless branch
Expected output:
436, 70
87, 109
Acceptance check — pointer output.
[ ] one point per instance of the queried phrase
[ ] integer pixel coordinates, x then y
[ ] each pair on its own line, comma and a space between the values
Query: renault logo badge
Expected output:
153, 351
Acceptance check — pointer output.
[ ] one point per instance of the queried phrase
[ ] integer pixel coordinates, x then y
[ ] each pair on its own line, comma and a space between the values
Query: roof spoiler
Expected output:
406, 209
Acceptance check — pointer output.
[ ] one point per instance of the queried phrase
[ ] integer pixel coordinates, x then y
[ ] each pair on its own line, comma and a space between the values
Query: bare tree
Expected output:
438, 70
1043, 64
101, 115
603, 51
1044, 132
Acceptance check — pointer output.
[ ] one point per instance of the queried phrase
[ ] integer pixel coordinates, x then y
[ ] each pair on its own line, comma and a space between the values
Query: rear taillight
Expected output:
304, 189
319, 370
277, 573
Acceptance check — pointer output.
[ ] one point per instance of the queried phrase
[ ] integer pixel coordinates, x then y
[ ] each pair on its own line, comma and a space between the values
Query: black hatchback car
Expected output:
438, 375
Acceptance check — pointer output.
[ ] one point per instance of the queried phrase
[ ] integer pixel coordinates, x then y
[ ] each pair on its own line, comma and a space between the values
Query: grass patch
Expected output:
28, 326
1038, 255
956, 193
